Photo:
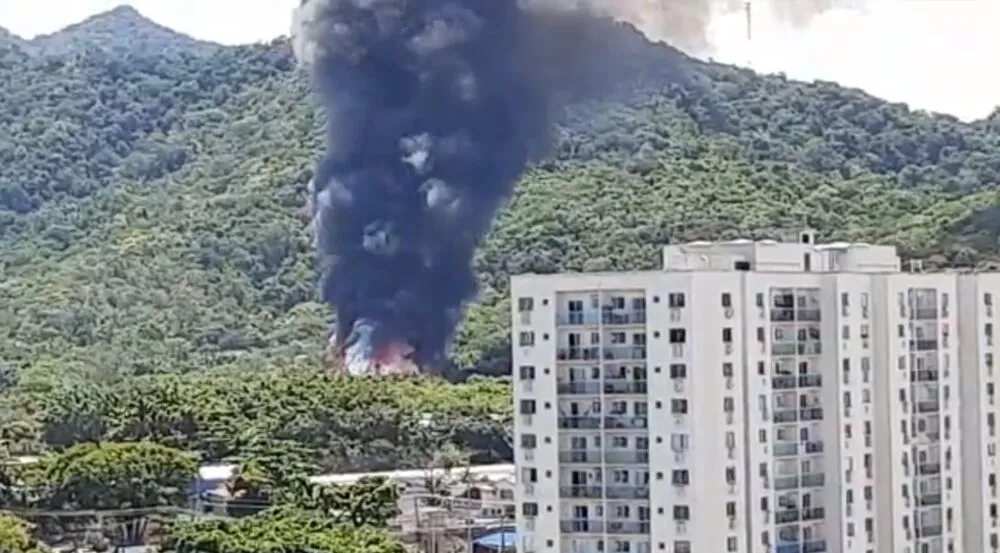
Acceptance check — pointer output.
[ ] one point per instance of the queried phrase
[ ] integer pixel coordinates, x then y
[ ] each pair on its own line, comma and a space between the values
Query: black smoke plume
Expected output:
434, 108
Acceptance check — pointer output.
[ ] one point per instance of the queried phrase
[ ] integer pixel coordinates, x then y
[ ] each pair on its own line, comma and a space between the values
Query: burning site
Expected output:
434, 108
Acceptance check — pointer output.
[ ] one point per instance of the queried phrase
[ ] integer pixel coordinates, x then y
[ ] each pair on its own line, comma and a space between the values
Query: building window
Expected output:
528, 407
682, 513
527, 372
679, 406
680, 478
727, 300
728, 405
526, 339
529, 441
988, 299
525, 304
730, 544
727, 370
727, 335
678, 370
678, 336
806, 262
675, 300
682, 547
529, 509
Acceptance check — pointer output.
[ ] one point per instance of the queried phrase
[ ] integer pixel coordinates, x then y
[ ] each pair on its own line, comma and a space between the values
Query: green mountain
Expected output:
151, 202
121, 30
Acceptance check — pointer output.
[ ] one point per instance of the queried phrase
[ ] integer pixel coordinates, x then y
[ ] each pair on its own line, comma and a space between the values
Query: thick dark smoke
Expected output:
434, 108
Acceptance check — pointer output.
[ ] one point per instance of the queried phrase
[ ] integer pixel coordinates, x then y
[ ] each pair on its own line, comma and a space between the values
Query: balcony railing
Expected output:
616, 353
588, 457
626, 457
597, 457
923, 345
627, 492
786, 482
814, 447
926, 376
580, 423
783, 382
810, 381
785, 516
786, 415
626, 422
811, 414
928, 406
928, 469
813, 480
925, 313
625, 387
591, 492
581, 526
592, 387
578, 354
815, 513
590, 318
815, 546
786, 449
929, 531
783, 348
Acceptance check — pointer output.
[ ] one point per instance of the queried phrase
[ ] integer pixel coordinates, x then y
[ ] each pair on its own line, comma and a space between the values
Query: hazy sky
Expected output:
932, 54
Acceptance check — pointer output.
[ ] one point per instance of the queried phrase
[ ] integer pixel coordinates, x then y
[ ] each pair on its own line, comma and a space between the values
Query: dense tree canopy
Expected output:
151, 205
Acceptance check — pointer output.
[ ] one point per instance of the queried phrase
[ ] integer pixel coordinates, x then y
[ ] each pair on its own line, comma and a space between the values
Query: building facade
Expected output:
752, 397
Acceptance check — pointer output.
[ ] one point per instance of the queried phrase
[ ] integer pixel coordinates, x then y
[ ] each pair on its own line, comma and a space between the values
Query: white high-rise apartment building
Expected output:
756, 397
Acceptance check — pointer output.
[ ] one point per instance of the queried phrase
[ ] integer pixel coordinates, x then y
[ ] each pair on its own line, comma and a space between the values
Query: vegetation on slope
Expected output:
150, 207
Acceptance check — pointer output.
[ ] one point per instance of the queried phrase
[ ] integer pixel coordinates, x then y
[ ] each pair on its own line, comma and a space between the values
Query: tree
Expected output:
370, 502
279, 531
15, 536
124, 482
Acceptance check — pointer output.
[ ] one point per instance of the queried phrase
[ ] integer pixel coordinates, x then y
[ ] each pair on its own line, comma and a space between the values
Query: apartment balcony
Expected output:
638, 457
810, 347
627, 492
786, 482
923, 345
931, 406
597, 457
929, 499
578, 318
925, 313
810, 381
592, 318
622, 353
808, 315
815, 480
786, 516
815, 513
597, 526
929, 531
785, 382
591, 353
813, 447
624, 318
589, 492
815, 546
786, 449
625, 386
580, 388
926, 375
783, 348
928, 469
811, 414
626, 422
582, 457
786, 415
580, 423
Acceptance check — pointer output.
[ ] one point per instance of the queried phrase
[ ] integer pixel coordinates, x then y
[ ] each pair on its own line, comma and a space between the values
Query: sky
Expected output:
931, 54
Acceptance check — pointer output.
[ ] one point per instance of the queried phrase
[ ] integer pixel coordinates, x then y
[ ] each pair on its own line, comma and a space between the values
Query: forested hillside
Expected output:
151, 202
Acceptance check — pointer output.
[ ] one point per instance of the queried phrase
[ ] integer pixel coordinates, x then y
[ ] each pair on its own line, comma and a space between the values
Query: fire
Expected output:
393, 358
